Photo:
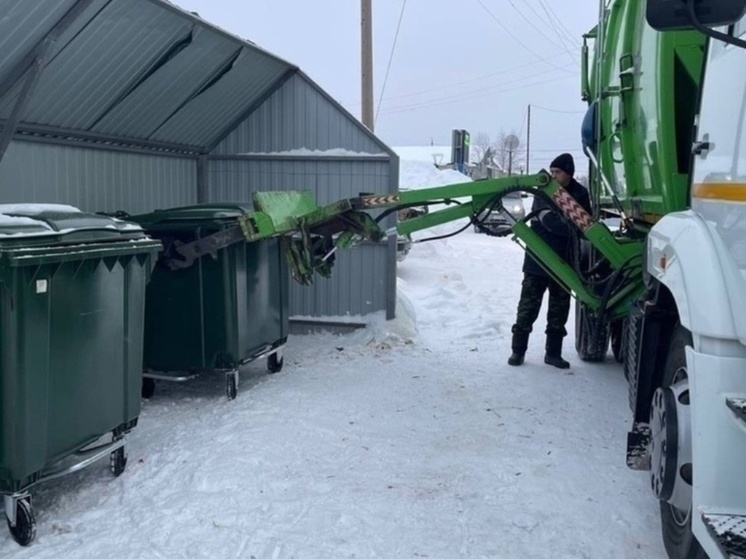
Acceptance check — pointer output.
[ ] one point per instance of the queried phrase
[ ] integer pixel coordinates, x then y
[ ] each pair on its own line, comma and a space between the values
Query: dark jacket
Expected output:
553, 228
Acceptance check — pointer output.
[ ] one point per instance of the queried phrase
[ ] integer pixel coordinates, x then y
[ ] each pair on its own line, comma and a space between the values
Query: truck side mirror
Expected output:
667, 15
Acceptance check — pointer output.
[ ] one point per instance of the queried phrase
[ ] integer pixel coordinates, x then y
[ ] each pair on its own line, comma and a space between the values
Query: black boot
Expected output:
556, 361
519, 345
553, 355
516, 359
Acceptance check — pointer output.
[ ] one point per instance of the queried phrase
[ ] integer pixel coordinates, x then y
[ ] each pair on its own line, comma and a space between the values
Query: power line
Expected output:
554, 17
451, 99
537, 14
488, 90
507, 30
538, 30
391, 59
551, 22
477, 93
523, 124
462, 82
554, 21
556, 110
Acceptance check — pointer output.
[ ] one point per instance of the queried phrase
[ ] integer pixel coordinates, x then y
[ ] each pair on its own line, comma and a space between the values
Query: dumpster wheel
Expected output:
24, 530
275, 362
148, 388
117, 461
231, 384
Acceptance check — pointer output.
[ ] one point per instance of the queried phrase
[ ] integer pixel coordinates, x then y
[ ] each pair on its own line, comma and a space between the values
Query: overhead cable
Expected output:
510, 33
391, 59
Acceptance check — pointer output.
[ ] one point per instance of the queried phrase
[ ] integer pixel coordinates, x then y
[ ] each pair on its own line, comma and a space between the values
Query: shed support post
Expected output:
203, 180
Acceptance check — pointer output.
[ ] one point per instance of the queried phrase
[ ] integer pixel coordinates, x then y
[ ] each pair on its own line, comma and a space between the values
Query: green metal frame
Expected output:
342, 224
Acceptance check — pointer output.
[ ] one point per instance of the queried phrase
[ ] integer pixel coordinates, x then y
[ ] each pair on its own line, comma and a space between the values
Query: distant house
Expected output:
486, 168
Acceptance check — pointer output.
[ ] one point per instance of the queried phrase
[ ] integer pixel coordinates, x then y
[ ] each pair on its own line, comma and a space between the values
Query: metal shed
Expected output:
136, 105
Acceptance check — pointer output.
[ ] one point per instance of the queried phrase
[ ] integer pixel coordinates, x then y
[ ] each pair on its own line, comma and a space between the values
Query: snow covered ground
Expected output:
410, 439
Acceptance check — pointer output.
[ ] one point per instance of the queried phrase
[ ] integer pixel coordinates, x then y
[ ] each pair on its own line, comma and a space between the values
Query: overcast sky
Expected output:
469, 64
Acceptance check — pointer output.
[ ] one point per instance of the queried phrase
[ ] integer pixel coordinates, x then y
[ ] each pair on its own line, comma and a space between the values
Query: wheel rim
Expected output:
671, 447
680, 516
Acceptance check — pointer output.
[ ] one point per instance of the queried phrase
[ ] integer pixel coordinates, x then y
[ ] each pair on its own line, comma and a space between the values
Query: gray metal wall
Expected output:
276, 149
361, 280
95, 179
299, 115
329, 179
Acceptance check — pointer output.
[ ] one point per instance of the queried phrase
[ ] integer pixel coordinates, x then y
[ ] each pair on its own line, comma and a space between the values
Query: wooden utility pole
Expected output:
528, 142
366, 66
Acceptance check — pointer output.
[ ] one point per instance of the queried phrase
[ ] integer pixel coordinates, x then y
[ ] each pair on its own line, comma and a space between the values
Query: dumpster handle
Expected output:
182, 378
188, 253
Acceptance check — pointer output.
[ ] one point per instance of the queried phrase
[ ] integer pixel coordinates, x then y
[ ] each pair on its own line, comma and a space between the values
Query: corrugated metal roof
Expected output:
139, 70
23, 25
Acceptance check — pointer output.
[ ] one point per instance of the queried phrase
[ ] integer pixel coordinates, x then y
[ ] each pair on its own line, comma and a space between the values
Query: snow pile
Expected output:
19, 221
13, 221
439, 155
420, 174
385, 334
36, 209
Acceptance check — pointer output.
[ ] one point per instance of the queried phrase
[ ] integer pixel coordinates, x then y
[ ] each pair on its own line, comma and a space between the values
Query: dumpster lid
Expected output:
67, 223
199, 212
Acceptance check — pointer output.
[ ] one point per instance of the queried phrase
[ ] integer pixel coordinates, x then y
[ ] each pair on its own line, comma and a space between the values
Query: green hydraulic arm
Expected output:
312, 234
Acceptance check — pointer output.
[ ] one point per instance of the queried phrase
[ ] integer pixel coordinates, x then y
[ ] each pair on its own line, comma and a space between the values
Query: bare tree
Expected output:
510, 154
482, 148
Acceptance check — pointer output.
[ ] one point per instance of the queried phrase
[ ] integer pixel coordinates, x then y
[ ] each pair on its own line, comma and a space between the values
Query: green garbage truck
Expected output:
72, 300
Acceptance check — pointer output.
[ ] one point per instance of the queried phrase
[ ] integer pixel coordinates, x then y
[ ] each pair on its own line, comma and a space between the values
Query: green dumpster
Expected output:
72, 300
215, 302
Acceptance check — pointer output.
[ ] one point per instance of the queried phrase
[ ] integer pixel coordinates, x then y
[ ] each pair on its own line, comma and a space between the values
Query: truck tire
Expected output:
585, 324
676, 524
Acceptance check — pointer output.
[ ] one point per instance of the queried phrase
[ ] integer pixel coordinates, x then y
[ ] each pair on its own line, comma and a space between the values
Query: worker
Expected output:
553, 228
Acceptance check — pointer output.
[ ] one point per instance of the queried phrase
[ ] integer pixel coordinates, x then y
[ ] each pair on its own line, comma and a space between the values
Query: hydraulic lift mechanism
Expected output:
605, 279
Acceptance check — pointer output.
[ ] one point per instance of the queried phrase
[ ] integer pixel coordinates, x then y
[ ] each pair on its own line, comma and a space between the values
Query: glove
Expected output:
553, 222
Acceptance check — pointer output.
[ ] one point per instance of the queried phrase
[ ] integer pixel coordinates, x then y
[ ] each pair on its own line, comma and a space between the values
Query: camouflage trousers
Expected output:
532, 293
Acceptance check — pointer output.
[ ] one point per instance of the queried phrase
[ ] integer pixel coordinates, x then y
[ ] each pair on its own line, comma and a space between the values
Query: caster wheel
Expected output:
148, 387
275, 363
24, 530
231, 386
117, 462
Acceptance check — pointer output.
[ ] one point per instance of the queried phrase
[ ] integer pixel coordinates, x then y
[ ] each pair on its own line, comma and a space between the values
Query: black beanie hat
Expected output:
564, 162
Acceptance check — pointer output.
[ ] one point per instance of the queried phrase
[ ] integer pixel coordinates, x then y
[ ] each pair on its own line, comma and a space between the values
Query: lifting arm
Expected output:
313, 233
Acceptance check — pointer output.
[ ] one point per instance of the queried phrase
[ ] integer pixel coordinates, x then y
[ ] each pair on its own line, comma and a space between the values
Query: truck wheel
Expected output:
585, 324
24, 530
671, 471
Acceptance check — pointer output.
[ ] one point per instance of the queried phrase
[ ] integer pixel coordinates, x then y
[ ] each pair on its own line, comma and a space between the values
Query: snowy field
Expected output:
409, 439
